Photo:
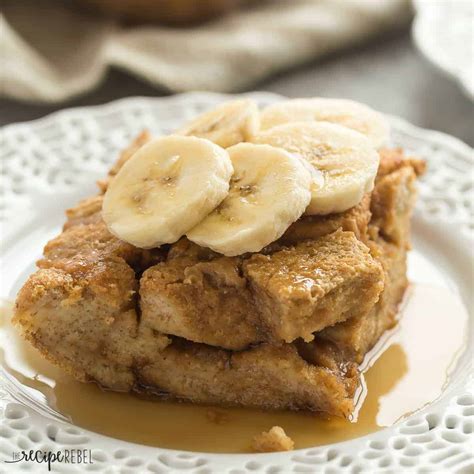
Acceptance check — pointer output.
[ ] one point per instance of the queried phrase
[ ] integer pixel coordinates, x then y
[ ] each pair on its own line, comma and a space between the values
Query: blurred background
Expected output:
408, 58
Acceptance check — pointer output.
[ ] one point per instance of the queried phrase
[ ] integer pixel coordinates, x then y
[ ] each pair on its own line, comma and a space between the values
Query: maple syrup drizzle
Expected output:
407, 369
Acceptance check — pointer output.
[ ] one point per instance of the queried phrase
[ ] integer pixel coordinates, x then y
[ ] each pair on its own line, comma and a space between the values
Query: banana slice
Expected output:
166, 188
228, 124
346, 159
270, 190
351, 114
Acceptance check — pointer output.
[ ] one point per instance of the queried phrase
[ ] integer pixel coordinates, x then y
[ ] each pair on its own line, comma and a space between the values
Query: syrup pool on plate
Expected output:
407, 369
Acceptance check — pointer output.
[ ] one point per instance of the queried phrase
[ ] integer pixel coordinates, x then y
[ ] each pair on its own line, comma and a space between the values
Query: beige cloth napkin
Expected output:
50, 52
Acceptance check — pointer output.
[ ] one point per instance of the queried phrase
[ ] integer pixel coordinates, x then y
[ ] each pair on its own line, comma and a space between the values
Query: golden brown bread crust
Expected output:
201, 300
87, 211
267, 376
354, 220
87, 322
81, 308
356, 336
315, 284
392, 202
84, 245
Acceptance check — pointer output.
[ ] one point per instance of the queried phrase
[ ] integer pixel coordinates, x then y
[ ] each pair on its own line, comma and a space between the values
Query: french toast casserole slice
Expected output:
285, 328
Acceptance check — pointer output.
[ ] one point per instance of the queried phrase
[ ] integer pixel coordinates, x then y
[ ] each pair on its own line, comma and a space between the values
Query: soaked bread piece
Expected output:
86, 237
202, 301
355, 337
392, 202
86, 322
273, 440
234, 302
80, 307
313, 285
266, 376
355, 220
85, 244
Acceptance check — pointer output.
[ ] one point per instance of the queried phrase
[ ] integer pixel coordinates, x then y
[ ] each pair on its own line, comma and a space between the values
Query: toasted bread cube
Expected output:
316, 284
203, 301
355, 337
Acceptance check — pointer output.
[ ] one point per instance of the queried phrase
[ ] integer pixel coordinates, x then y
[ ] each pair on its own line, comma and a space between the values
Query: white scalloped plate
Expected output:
50, 163
443, 32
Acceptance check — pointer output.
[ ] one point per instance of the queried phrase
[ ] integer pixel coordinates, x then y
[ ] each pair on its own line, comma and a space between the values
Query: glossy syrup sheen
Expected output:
408, 369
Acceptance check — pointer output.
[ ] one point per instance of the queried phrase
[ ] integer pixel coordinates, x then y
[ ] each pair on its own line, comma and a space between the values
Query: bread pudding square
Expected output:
315, 284
282, 328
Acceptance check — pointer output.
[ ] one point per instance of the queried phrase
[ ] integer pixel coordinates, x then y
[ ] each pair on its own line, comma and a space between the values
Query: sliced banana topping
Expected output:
269, 190
351, 114
166, 188
313, 156
346, 159
227, 124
